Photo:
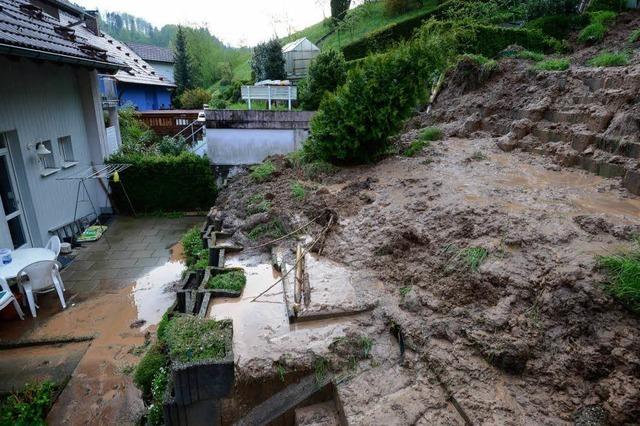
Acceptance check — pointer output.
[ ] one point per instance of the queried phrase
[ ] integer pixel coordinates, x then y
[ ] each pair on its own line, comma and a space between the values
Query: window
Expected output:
66, 152
48, 161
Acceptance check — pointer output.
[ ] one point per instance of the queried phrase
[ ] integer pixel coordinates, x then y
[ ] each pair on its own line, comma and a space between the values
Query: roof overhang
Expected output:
143, 82
26, 52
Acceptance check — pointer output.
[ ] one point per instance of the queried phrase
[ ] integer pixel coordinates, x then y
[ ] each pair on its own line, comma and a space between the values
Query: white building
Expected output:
52, 122
298, 56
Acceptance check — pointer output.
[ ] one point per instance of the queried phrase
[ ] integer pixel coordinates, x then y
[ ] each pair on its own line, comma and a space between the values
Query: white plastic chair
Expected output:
8, 297
41, 277
54, 245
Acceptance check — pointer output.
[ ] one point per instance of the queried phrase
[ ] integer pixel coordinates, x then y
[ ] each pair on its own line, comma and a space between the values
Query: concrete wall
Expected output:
42, 101
144, 98
251, 146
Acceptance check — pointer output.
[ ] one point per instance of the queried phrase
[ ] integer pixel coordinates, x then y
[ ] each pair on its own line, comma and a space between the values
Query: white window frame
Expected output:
49, 169
65, 146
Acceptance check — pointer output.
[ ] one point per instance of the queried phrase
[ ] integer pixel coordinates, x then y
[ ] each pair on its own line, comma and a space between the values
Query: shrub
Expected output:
166, 183
192, 245
624, 277
532, 56
158, 389
553, 65
298, 191
136, 136
148, 367
431, 134
339, 9
272, 230
537, 8
194, 98
558, 26
609, 59
28, 407
263, 172
171, 146
327, 72
229, 280
192, 339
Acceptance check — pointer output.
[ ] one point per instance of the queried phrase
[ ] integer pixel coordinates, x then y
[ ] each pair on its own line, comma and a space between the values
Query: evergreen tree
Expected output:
339, 9
268, 62
183, 72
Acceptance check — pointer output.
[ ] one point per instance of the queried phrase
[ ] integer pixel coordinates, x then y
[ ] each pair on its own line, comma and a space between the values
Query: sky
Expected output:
235, 22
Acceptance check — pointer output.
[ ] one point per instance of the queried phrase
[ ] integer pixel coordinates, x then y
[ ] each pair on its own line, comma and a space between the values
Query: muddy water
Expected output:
153, 293
261, 329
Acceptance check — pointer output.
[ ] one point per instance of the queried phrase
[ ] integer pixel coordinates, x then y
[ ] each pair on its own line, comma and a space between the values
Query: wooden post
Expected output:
269, 97
289, 98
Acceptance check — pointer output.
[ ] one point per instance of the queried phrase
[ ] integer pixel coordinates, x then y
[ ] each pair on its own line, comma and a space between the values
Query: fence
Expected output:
269, 94
169, 122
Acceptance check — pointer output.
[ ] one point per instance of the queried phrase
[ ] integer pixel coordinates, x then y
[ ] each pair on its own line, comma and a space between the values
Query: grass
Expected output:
229, 280
148, 366
263, 172
609, 59
258, 204
273, 229
634, 36
281, 371
321, 369
623, 271
312, 170
29, 406
155, 415
529, 55
192, 339
366, 344
592, 33
298, 191
424, 140
473, 257
415, 148
561, 64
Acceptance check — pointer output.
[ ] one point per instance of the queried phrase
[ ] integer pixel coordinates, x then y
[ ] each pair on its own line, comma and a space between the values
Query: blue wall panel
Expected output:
144, 98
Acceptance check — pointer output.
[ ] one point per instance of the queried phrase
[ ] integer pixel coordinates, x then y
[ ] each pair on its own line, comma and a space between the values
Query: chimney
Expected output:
92, 21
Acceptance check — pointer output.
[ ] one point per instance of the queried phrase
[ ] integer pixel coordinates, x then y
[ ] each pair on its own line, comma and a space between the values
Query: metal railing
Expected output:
193, 129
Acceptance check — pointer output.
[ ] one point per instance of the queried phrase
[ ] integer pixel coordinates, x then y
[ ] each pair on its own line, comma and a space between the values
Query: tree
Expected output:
327, 72
183, 70
339, 9
268, 62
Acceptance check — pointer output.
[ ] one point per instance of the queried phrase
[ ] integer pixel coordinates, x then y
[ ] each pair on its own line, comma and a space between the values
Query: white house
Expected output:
298, 56
51, 117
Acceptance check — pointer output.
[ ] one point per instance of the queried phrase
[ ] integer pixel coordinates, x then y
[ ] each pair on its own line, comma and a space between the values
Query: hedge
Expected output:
164, 183
558, 26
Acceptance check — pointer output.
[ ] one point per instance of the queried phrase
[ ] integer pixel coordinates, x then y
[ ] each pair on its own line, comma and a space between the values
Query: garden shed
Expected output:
298, 55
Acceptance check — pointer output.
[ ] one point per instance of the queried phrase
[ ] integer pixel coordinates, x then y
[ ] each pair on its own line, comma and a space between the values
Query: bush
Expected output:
610, 59
192, 246
553, 65
229, 280
537, 8
157, 183
194, 98
28, 407
136, 136
558, 26
267, 62
592, 33
327, 72
158, 389
263, 172
624, 277
192, 339
431, 134
148, 367
171, 146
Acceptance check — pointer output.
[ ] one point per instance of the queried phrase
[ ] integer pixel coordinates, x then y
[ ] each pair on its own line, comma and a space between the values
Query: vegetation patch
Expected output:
298, 191
624, 276
596, 30
274, 229
431, 134
29, 406
529, 55
147, 368
561, 64
258, 204
473, 257
415, 148
263, 172
634, 36
192, 246
610, 59
155, 415
192, 339
404, 291
228, 280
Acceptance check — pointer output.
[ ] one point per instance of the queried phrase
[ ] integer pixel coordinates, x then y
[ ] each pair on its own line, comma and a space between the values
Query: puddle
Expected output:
153, 294
261, 329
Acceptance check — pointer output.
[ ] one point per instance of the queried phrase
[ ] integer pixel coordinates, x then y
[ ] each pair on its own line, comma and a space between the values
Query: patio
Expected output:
113, 294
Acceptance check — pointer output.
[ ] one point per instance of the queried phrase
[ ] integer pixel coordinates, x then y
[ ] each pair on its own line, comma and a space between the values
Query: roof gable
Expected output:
152, 53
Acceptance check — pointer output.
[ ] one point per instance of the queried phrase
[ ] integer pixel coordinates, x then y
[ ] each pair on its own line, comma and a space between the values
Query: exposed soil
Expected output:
530, 337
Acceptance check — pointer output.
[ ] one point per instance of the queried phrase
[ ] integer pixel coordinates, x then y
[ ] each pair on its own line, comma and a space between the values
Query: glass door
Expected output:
10, 198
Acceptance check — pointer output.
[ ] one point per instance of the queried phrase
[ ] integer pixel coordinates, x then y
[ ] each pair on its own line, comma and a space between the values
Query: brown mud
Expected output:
530, 336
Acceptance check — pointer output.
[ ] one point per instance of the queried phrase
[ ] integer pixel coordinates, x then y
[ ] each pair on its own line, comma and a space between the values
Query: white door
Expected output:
12, 218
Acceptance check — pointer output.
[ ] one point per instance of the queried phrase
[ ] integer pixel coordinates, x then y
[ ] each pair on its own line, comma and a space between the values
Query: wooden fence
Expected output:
169, 122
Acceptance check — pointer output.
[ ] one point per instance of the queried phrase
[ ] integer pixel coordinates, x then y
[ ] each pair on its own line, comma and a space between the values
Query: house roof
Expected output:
27, 30
152, 53
300, 44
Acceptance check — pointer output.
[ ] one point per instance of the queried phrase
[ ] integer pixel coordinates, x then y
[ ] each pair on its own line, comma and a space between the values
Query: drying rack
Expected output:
104, 171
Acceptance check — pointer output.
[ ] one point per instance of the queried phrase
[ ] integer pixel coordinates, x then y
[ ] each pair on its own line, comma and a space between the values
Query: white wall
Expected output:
163, 69
42, 101
250, 146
